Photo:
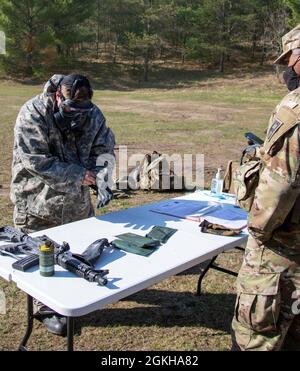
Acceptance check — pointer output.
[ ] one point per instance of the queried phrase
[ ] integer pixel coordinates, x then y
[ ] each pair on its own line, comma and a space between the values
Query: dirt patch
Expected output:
173, 111
163, 148
213, 133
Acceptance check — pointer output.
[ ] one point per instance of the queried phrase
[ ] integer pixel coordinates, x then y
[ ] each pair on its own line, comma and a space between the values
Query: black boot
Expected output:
54, 322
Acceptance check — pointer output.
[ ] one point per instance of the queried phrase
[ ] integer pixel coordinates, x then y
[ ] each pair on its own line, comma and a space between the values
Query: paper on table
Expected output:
185, 209
216, 213
228, 216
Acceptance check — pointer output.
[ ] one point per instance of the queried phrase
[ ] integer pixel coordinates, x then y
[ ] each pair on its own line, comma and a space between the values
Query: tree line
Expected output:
210, 32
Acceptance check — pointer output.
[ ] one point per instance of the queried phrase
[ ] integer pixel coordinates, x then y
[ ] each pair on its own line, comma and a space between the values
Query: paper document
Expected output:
229, 216
217, 213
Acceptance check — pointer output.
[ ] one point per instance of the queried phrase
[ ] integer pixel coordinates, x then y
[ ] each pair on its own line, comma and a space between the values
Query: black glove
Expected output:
93, 252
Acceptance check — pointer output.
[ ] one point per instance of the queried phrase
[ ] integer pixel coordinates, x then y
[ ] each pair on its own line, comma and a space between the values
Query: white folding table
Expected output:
73, 297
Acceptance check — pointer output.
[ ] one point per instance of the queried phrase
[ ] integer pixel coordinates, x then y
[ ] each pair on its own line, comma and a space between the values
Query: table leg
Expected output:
30, 318
203, 274
70, 333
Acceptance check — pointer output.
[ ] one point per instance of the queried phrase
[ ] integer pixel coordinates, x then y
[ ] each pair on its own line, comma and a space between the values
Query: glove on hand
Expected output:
104, 197
105, 194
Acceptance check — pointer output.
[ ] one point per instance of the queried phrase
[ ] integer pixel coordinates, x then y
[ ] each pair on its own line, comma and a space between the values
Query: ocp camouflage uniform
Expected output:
268, 304
49, 167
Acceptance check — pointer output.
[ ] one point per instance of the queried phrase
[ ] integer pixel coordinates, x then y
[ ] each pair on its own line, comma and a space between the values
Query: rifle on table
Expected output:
81, 265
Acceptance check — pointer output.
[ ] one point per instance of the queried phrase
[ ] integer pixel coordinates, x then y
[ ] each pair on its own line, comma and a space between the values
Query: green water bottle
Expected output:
46, 254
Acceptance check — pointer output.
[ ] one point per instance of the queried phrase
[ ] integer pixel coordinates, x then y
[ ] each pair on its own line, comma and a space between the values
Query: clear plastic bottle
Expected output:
217, 184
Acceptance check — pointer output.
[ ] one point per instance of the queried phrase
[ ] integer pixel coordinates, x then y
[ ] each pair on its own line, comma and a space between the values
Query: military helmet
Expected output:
290, 42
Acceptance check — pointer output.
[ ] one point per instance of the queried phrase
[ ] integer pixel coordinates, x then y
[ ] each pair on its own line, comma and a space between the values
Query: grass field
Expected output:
207, 117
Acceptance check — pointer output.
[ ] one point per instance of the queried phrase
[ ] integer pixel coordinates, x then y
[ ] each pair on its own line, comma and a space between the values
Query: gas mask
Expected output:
70, 117
73, 113
291, 78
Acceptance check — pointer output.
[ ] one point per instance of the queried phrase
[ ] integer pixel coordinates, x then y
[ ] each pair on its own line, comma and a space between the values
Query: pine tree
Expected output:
294, 5
23, 24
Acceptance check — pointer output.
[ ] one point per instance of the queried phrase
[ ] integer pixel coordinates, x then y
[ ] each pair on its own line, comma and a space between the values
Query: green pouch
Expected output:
136, 244
161, 234
139, 241
144, 246
131, 248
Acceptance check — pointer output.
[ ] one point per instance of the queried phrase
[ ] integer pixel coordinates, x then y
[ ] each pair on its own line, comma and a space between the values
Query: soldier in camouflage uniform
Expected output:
267, 313
54, 162
60, 136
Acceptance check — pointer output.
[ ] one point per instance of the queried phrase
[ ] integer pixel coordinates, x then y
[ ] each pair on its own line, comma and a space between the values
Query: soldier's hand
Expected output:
89, 179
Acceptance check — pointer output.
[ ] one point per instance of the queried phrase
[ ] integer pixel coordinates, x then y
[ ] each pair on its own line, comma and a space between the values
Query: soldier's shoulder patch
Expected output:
277, 124
291, 104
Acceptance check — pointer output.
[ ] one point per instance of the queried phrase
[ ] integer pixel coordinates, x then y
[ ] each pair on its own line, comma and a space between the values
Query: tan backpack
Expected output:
154, 174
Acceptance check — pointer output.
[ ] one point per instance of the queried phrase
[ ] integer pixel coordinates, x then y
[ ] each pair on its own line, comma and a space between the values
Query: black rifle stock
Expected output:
253, 139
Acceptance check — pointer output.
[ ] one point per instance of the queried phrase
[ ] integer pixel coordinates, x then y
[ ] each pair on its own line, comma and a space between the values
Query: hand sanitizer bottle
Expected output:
217, 184
220, 183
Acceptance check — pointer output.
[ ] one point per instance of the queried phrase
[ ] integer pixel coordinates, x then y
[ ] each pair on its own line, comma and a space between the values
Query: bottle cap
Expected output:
47, 248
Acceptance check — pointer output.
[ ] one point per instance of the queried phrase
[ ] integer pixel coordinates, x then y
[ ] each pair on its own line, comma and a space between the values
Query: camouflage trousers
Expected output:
267, 311
28, 223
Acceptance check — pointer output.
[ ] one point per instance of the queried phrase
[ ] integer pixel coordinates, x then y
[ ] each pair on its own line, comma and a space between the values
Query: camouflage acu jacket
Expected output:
48, 167
275, 215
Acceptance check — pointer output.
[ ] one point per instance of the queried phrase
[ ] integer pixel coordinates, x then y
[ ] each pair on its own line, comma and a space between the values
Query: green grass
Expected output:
209, 117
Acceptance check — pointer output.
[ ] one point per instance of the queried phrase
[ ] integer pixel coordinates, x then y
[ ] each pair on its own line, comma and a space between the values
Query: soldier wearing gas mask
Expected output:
62, 148
60, 138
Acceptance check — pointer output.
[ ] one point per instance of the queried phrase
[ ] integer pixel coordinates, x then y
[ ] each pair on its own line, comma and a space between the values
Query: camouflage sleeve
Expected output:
105, 140
102, 150
278, 189
32, 140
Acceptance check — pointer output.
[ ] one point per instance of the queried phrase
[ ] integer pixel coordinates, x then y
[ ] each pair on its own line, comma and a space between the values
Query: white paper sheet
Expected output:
224, 214
228, 216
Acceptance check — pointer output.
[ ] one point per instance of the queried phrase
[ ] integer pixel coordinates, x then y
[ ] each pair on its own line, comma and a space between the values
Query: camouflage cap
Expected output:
290, 41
